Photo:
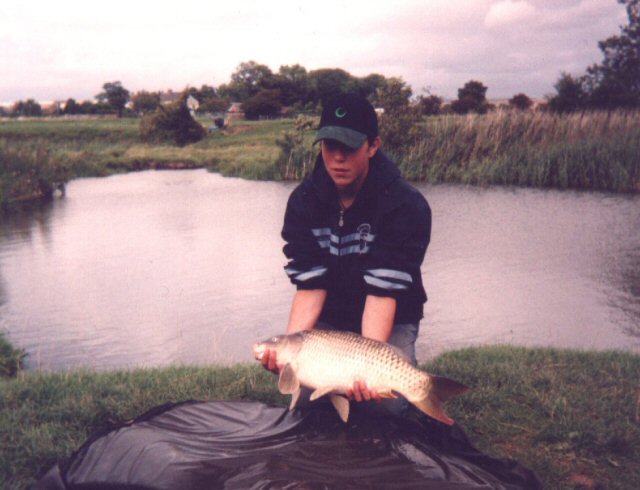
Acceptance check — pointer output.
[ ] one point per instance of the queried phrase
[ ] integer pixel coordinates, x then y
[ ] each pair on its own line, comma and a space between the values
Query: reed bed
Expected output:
594, 150
591, 151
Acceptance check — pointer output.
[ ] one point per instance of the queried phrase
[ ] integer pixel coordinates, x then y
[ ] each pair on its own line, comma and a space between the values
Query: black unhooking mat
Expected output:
250, 445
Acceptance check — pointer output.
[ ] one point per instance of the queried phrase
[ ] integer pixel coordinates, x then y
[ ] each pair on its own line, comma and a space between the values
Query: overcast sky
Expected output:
69, 48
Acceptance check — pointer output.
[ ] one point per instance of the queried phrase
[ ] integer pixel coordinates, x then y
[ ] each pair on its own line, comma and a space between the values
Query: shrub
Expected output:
11, 359
30, 172
173, 123
296, 155
265, 103
400, 117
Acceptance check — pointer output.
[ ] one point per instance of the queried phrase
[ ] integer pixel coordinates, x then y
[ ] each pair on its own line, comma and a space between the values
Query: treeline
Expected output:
612, 84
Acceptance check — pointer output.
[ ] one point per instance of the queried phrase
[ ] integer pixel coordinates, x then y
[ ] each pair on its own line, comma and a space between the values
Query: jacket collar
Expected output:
382, 173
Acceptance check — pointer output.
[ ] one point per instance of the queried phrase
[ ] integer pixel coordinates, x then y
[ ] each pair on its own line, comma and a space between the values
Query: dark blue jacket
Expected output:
377, 251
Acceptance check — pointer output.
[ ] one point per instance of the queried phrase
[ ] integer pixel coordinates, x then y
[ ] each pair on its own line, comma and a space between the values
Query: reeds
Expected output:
29, 172
596, 150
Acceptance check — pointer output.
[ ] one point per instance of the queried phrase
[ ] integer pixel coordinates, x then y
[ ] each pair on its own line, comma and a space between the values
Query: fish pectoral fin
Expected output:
320, 392
441, 390
288, 383
432, 408
295, 396
341, 404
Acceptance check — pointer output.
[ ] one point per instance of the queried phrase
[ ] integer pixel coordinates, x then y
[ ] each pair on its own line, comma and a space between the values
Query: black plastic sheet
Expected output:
250, 445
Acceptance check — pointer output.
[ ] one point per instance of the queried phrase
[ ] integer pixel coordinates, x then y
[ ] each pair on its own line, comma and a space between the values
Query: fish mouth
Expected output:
258, 351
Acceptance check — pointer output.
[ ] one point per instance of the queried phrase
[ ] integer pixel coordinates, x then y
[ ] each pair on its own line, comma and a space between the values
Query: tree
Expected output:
400, 117
248, 79
71, 107
145, 102
368, 86
214, 104
612, 84
88, 107
115, 96
293, 83
615, 82
521, 102
570, 94
472, 97
265, 103
327, 82
27, 108
430, 105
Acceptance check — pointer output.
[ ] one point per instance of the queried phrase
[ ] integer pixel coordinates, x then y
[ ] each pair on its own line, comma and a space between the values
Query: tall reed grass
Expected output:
28, 172
596, 150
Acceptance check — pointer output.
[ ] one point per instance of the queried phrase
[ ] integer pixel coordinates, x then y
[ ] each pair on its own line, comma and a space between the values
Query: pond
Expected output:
186, 267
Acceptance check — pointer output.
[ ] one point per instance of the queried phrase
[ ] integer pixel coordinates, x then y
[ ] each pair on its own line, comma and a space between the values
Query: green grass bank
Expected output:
573, 417
590, 151
36, 155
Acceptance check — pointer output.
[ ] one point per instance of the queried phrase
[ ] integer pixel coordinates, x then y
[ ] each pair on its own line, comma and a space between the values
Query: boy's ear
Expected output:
373, 147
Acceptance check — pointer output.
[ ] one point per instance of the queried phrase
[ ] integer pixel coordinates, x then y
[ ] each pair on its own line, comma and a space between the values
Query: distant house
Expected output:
235, 111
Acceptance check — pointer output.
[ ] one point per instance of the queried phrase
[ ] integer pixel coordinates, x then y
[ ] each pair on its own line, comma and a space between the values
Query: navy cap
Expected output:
349, 119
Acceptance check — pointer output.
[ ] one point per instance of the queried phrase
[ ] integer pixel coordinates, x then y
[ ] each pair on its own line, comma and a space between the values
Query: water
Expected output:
185, 267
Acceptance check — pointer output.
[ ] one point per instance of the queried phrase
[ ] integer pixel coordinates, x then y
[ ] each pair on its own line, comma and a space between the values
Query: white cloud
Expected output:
509, 13
68, 49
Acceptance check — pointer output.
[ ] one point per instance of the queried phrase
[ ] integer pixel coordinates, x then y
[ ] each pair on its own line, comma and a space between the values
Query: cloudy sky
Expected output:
69, 48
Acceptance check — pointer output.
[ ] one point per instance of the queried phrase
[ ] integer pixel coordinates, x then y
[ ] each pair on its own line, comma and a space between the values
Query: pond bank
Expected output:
572, 417
591, 151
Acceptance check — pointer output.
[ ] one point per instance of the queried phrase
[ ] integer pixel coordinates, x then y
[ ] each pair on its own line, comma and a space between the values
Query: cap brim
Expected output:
350, 137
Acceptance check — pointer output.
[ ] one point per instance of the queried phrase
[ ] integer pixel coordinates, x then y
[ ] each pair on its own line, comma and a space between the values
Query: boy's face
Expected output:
348, 168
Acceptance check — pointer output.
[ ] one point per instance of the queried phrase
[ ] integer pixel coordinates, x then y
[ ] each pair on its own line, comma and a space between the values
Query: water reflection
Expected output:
185, 267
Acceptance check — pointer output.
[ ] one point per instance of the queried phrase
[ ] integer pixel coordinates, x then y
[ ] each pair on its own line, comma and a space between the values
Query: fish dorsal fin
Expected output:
321, 392
341, 404
288, 382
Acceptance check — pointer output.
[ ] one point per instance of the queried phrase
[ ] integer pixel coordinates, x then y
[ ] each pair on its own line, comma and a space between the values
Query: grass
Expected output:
55, 151
11, 359
592, 151
573, 417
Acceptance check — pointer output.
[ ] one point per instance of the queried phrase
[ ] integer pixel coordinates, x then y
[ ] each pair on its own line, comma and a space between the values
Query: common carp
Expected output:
329, 362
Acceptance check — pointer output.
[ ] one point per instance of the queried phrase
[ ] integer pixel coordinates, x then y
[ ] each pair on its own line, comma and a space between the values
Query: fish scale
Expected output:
330, 362
340, 358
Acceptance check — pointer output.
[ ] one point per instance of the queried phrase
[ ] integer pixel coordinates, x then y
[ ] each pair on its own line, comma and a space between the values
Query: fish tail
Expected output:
440, 390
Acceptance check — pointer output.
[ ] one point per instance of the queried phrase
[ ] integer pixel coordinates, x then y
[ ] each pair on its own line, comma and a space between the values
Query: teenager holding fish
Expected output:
356, 234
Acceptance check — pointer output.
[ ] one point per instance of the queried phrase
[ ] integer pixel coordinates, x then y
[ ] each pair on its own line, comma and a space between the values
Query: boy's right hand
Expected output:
270, 362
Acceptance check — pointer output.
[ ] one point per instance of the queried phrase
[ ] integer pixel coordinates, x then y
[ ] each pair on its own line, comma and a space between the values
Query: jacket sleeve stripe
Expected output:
380, 283
390, 274
321, 232
302, 276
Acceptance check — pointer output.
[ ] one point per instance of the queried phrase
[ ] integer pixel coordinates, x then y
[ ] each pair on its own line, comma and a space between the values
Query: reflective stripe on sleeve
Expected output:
390, 279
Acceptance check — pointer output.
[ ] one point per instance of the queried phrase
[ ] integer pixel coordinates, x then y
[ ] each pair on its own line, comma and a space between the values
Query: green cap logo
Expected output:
340, 113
